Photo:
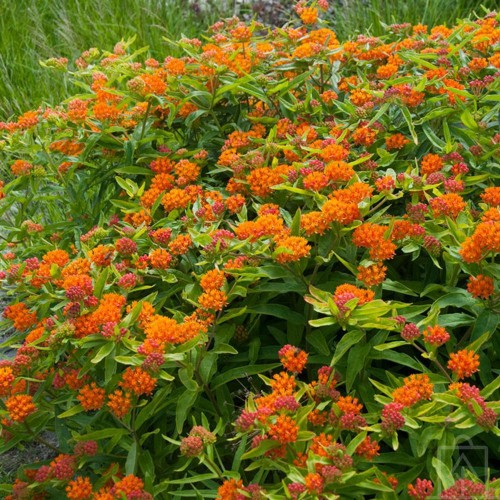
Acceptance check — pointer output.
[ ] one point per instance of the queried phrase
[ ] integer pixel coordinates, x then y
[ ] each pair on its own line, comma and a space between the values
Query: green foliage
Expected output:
265, 267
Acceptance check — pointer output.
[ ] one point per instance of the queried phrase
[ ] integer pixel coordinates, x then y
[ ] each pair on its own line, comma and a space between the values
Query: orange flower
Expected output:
348, 404
230, 490
21, 167
416, 388
308, 15
396, 141
235, 203
103, 111
153, 84
181, 244
137, 381
364, 296
368, 449
359, 97
160, 259
20, 407
491, 196
20, 315
481, 286
58, 257
368, 235
79, 489
187, 172
91, 397
372, 275
314, 483
129, 485
295, 248
436, 335
339, 171
315, 181
463, 363
6, 380
293, 358
101, 255
285, 430
261, 180
283, 384
431, 163
334, 152
450, 204
119, 403
386, 71
485, 239
313, 223
212, 280
175, 199
355, 193
214, 300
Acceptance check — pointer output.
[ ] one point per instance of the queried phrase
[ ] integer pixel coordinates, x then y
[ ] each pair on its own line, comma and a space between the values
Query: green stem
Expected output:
212, 466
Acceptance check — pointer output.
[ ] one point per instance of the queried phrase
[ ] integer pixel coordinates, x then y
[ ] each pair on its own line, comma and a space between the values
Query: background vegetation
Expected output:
34, 30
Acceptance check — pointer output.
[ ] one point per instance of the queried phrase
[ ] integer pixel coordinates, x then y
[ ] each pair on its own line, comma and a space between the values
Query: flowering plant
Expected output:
180, 226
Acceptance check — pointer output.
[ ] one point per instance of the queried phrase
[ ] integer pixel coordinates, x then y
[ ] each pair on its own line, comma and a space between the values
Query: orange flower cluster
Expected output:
463, 363
291, 248
160, 259
481, 287
450, 204
79, 489
486, 238
20, 315
137, 381
91, 397
285, 430
372, 236
119, 403
431, 163
416, 388
352, 291
6, 380
372, 275
436, 335
20, 407
293, 359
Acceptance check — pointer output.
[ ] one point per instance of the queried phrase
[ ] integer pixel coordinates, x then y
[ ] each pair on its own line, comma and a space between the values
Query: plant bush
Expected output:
264, 269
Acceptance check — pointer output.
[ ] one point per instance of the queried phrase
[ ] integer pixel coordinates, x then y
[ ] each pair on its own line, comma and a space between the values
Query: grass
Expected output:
369, 16
34, 30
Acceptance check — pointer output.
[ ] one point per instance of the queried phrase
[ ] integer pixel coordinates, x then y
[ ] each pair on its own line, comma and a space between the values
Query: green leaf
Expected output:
131, 463
101, 282
390, 345
355, 442
71, 412
278, 311
348, 340
184, 405
443, 473
241, 372
264, 445
104, 351
409, 121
